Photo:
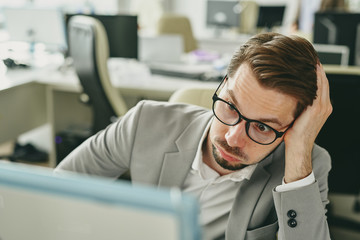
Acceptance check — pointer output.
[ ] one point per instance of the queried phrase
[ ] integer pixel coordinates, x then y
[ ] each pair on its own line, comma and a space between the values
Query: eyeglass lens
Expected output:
257, 131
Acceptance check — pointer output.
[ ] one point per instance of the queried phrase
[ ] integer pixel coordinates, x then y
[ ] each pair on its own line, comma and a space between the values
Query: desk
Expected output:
342, 70
22, 109
22, 104
30, 98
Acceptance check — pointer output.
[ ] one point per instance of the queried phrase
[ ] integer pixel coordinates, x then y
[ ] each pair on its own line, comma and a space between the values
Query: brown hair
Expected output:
333, 5
285, 63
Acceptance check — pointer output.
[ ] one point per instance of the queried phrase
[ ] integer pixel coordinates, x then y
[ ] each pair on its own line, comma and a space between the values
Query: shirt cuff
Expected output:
297, 184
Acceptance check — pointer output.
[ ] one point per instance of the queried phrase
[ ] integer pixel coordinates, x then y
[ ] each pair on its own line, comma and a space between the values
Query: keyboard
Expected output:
202, 73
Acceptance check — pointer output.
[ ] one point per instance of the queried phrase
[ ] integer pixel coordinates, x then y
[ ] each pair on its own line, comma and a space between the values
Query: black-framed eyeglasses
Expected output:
228, 114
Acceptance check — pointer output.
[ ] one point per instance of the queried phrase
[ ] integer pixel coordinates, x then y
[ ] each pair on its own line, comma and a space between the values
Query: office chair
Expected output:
88, 46
178, 24
248, 16
197, 96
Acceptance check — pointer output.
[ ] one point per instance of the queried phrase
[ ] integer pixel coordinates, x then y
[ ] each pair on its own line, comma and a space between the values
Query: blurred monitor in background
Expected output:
161, 48
223, 14
338, 28
333, 54
270, 16
36, 25
122, 33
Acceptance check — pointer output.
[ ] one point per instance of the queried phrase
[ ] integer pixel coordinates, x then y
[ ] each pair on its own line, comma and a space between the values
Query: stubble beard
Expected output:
235, 151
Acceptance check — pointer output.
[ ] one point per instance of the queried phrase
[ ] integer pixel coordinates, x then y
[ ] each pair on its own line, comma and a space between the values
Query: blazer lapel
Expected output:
175, 168
246, 199
176, 164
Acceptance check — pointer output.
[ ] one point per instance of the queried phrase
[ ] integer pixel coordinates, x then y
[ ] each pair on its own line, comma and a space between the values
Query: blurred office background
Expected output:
159, 46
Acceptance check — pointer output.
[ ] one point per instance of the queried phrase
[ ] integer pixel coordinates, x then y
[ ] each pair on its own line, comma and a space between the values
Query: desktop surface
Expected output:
44, 206
199, 72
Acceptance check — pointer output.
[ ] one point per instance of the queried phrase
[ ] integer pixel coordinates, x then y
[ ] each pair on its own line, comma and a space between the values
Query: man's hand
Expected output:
299, 139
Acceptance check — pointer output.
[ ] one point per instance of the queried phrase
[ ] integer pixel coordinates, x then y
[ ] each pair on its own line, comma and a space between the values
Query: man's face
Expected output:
228, 148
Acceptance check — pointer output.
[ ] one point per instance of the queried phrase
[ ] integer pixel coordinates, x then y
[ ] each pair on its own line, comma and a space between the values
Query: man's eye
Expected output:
262, 128
231, 107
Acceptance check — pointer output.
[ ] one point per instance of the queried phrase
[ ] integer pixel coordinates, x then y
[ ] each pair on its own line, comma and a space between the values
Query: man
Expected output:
254, 167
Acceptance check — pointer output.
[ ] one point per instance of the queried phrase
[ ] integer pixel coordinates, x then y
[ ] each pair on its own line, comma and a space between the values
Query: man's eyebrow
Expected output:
232, 96
271, 120
263, 120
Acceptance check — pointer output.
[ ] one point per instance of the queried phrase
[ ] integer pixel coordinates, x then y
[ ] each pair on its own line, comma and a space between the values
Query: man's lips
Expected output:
226, 156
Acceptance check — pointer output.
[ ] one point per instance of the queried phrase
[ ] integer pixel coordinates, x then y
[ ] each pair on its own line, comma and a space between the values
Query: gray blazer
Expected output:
157, 142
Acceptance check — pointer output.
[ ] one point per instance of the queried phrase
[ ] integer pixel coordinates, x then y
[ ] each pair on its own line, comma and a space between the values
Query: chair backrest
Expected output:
178, 24
197, 96
248, 16
88, 46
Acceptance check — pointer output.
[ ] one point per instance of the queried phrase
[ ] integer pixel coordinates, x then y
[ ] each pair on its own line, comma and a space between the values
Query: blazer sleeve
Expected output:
301, 212
108, 152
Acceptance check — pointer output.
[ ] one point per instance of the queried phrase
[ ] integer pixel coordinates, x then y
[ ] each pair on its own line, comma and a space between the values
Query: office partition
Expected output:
35, 204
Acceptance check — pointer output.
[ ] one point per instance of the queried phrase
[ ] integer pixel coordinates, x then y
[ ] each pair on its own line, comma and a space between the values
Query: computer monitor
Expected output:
223, 13
270, 16
332, 54
122, 33
36, 25
35, 204
338, 28
338, 136
161, 48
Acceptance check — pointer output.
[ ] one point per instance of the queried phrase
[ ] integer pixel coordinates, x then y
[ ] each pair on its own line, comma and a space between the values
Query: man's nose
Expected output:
236, 135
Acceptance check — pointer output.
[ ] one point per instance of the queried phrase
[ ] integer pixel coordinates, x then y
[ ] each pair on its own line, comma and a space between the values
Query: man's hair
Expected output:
284, 63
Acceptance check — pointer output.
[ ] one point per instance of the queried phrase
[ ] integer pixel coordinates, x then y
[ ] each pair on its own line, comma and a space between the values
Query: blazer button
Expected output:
292, 223
291, 214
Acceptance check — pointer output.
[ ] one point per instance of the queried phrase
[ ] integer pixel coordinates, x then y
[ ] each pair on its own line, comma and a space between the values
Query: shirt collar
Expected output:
205, 172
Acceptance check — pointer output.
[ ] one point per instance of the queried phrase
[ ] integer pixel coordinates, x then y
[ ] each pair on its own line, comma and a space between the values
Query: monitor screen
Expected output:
338, 28
270, 16
36, 204
333, 58
161, 48
223, 13
122, 33
342, 143
36, 25
332, 54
